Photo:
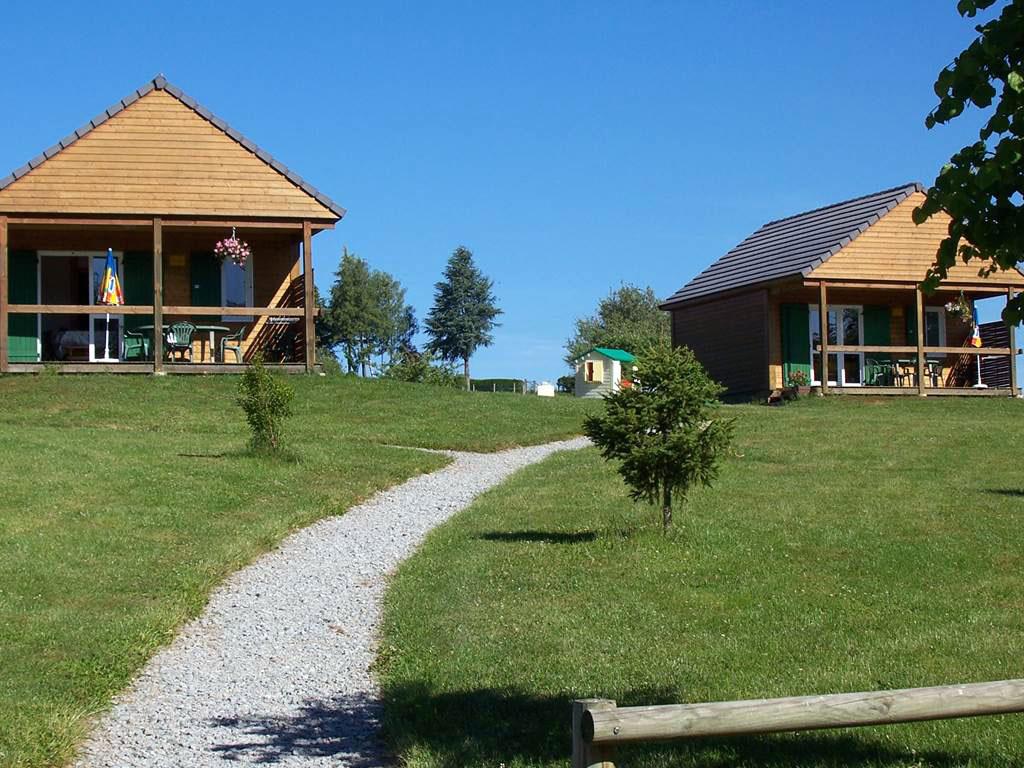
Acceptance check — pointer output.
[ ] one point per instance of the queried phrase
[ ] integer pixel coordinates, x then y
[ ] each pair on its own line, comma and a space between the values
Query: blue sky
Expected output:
571, 146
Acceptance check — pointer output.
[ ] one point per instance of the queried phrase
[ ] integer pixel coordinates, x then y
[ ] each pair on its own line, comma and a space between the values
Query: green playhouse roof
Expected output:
615, 354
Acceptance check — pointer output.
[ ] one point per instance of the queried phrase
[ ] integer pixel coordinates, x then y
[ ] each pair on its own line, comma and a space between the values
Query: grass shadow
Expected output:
492, 727
1012, 492
539, 537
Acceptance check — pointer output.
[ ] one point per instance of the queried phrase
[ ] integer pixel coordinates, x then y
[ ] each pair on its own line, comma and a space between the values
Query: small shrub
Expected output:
420, 368
328, 362
266, 400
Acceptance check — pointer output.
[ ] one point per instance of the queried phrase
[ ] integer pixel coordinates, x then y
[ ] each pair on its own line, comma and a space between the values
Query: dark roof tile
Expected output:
793, 245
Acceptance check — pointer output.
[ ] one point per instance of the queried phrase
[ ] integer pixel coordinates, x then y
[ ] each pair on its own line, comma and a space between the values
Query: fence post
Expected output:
585, 754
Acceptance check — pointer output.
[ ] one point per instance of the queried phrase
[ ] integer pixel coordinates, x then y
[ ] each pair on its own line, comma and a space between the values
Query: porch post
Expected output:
1013, 349
158, 297
307, 295
919, 301
4, 329
823, 326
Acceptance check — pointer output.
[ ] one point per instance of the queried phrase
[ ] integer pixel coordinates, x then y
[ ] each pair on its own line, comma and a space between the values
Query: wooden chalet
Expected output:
840, 283
158, 179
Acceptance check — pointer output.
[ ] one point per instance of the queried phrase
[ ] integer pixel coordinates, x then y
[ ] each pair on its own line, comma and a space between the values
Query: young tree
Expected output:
350, 317
664, 430
464, 310
980, 187
396, 324
627, 318
367, 313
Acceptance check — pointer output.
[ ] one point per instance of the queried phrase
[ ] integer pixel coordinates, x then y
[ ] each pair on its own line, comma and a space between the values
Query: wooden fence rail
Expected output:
598, 724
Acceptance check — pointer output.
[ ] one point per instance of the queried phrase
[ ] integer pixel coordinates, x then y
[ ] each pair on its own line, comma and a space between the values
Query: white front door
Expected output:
845, 328
105, 331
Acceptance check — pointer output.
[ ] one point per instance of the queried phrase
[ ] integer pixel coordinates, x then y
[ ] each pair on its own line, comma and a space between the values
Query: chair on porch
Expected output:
879, 373
179, 339
136, 346
232, 343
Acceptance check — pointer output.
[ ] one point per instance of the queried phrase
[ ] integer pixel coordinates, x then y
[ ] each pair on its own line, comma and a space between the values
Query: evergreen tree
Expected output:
464, 311
664, 430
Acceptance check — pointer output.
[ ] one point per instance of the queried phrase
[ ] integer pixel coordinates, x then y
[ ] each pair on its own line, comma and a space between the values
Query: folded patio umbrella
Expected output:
110, 295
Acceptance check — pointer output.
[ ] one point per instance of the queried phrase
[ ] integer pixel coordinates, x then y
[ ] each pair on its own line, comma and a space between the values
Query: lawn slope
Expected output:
849, 545
125, 499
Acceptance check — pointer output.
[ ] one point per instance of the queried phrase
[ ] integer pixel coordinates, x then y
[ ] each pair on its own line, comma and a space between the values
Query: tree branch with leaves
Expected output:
981, 187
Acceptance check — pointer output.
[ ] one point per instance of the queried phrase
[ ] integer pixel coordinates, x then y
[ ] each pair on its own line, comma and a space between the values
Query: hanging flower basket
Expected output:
961, 309
232, 248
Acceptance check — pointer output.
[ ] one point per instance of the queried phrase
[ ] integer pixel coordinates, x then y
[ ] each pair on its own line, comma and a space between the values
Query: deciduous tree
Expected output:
627, 318
981, 186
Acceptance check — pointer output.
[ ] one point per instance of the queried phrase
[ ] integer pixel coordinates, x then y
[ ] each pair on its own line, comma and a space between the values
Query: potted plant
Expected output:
232, 248
962, 309
798, 383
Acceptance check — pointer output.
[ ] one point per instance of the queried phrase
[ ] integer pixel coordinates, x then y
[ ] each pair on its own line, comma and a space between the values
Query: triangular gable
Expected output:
158, 152
893, 248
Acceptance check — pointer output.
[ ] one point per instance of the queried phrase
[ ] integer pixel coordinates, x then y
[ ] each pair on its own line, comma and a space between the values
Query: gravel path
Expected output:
276, 670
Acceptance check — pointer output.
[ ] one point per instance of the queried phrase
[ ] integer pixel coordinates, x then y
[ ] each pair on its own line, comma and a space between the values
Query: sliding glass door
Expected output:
845, 328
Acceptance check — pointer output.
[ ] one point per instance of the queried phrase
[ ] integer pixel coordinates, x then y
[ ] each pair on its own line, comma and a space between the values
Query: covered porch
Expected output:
888, 337
184, 312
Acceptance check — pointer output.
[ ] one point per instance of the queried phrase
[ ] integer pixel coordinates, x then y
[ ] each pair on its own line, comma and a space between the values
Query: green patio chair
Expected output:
136, 345
179, 339
232, 343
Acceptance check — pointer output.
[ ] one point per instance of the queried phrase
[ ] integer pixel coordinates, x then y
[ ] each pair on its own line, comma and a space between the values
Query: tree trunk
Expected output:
666, 509
465, 371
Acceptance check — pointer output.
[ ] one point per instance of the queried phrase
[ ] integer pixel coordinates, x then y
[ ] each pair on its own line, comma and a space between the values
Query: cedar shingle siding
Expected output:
730, 338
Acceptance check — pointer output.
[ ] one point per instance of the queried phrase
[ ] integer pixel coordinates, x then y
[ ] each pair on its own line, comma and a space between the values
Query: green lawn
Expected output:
849, 545
126, 499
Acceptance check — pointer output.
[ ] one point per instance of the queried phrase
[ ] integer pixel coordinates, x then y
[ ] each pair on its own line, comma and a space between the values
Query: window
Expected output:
935, 328
846, 328
593, 371
590, 371
236, 288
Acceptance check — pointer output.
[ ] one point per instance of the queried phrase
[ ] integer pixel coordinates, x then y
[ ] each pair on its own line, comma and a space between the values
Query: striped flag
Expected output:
976, 331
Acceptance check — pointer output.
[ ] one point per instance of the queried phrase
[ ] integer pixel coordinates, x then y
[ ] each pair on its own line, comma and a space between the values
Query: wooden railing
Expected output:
598, 725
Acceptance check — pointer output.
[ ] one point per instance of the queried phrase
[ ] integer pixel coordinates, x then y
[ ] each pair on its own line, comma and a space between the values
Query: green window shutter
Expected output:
877, 331
796, 340
138, 286
204, 271
23, 288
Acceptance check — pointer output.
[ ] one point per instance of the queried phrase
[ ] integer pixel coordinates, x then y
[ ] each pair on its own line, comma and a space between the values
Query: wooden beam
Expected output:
992, 287
919, 308
904, 350
307, 295
584, 753
158, 295
150, 309
4, 321
1012, 330
802, 713
175, 368
145, 222
823, 329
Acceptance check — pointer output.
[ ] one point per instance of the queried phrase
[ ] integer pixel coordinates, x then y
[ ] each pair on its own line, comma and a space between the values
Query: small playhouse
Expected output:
602, 371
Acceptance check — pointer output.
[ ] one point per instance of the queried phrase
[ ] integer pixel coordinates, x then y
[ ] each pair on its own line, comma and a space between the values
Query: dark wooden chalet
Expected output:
840, 283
